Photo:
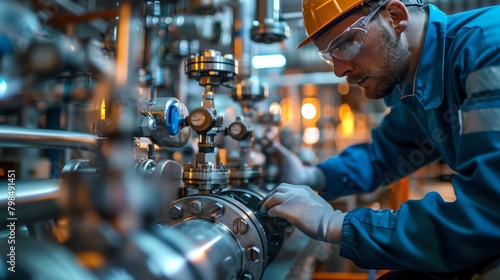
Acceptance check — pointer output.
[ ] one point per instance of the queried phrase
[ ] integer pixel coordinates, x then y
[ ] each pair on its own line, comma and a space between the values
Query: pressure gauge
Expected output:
238, 130
201, 119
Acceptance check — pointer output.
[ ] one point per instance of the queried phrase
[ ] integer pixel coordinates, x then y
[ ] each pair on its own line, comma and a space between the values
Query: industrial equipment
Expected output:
98, 170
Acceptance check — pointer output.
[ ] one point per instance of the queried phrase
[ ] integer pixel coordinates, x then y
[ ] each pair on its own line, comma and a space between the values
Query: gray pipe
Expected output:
34, 201
244, 14
209, 249
268, 9
46, 138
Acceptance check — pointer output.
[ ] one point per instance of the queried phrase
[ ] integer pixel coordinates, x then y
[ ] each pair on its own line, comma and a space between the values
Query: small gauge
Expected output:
238, 130
201, 119
198, 119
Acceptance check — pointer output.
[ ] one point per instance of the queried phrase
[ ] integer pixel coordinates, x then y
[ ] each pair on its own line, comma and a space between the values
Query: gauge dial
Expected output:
201, 120
238, 130
198, 119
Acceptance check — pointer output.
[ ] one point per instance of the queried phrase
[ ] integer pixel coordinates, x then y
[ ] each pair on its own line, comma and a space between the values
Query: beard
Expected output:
393, 66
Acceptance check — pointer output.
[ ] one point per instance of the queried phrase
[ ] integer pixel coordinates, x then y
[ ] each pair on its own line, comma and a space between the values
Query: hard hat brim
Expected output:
305, 42
349, 11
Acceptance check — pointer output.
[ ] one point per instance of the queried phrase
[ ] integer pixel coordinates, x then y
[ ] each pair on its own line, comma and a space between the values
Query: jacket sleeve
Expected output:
431, 234
399, 148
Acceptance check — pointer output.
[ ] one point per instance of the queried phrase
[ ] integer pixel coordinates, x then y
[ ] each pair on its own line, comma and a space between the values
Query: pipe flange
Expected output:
247, 91
275, 228
207, 178
270, 31
236, 218
211, 68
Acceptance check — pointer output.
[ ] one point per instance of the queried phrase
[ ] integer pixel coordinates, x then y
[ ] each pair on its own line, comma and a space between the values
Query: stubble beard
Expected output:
393, 67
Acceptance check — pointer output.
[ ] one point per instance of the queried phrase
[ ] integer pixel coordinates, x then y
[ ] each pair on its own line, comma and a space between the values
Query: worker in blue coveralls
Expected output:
440, 76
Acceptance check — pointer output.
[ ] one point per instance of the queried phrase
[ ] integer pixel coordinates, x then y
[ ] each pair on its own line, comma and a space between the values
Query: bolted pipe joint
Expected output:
195, 207
253, 253
216, 210
176, 211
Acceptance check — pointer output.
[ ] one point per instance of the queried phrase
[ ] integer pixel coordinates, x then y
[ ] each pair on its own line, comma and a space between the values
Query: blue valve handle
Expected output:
173, 119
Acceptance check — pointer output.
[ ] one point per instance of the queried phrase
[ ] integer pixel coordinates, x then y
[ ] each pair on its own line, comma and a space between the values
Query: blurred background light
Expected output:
268, 61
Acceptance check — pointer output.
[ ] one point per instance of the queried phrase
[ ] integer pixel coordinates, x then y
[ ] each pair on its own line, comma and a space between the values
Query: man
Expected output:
440, 75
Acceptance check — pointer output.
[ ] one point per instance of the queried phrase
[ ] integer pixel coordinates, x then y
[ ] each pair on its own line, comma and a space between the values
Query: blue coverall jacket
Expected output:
452, 110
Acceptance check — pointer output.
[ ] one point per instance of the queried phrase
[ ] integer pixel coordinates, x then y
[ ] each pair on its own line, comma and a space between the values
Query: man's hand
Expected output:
302, 207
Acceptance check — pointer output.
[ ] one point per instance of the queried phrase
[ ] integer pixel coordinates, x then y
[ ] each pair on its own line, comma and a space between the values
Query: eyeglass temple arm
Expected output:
366, 21
413, 2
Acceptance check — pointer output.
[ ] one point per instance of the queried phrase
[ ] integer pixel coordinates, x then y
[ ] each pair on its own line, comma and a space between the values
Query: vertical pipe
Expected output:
268, 9
243, 49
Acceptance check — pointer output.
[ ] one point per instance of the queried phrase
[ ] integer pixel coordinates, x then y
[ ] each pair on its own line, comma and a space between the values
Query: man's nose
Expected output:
341, 68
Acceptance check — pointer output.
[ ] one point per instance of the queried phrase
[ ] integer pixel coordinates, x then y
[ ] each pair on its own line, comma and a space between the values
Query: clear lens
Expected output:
345, 47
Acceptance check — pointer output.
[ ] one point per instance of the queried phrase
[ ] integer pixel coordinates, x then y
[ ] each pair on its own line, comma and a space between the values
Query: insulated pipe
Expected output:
31, 201
46, 138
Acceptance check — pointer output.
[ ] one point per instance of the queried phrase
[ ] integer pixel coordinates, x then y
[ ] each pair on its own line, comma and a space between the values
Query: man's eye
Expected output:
345, 43
342, 46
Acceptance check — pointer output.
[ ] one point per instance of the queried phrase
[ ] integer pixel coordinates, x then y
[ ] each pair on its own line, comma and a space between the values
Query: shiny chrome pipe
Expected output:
207, 248
243, 47
34, 201
46, 138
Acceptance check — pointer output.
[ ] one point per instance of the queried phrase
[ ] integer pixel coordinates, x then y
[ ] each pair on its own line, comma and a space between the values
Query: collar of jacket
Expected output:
428, 85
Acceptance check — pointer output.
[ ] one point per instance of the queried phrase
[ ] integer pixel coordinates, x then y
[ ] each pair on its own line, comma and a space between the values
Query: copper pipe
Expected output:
68, 19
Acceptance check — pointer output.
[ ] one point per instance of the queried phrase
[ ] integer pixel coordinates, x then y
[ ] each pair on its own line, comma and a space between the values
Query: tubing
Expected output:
46, 138
34, 201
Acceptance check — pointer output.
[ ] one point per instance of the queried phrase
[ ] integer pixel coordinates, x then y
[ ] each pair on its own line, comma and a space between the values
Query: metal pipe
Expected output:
212, 250
269, 28
268, 9
46, 138
64, 20
243, 47
73, 8
34, 201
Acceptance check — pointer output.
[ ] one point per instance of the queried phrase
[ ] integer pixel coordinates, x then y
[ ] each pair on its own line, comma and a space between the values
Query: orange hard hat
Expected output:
318, 14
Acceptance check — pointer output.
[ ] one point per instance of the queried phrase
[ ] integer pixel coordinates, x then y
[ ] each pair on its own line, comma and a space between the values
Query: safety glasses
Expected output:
348, 44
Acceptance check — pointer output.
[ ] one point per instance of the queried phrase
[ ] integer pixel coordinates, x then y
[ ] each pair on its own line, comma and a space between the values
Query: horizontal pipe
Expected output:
209, 248
46, 138
68, 19
33, 201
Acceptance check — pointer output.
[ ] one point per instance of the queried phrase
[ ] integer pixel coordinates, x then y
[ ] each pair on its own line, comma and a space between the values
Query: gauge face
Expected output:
236, 129
201, 120
198, 118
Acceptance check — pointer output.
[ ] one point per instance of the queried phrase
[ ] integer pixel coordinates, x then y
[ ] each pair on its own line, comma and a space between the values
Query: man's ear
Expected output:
398, 14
